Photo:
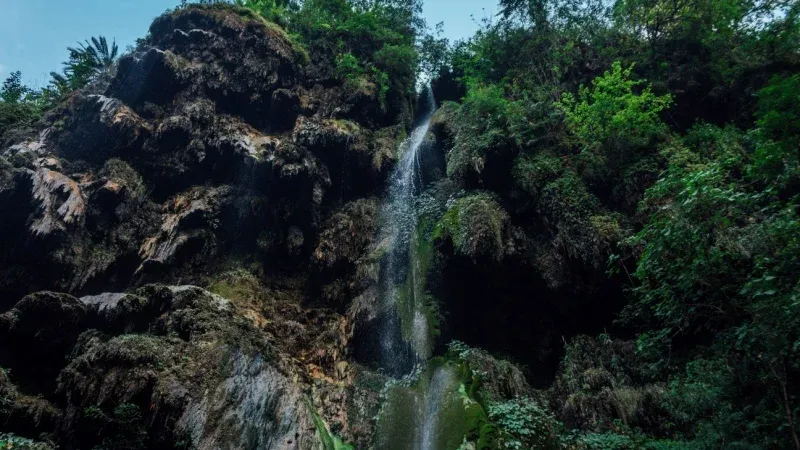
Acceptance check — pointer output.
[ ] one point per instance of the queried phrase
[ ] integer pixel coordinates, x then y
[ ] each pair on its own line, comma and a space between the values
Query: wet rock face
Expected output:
257, 391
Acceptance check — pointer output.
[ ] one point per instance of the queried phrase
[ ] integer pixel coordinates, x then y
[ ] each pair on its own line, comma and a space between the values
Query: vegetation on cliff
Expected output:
608, 207
656, 140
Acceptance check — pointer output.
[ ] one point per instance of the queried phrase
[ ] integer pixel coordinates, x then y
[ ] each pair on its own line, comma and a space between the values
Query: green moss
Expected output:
347, 234
136, 349
435, 409
301, 54
413, 299
475, 224
238, 285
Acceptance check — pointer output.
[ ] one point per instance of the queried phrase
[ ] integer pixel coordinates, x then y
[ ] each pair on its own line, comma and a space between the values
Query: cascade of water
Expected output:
441, 384
400, 275
431, 414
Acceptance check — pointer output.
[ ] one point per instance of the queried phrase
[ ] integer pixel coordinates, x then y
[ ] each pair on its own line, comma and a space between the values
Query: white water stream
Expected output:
401, 272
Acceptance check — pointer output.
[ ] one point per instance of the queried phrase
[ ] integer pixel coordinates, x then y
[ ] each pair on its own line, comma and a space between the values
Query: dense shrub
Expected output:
522, 424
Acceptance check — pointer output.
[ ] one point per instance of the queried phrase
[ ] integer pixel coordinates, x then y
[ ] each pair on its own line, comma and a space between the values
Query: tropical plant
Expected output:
91, 60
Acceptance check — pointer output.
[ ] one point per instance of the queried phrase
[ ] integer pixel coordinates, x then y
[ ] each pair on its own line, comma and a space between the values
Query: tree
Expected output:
20, 105
13, 89
614, 115
92, 58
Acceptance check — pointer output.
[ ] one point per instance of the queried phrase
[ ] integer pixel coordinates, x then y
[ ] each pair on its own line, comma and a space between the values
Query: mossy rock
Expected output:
239, 17
476, 225
347, 234
435, 412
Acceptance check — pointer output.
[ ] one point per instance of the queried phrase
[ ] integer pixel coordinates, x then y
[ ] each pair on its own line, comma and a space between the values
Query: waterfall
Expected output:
429, 413
441, 384
404, 334
433, 413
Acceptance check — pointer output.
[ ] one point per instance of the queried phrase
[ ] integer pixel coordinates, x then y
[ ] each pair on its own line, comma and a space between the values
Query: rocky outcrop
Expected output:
214, 138
218, 155
67, 233
343, 250
190, 362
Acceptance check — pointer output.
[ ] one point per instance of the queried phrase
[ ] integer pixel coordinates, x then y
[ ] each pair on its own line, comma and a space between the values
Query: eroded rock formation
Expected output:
220, 157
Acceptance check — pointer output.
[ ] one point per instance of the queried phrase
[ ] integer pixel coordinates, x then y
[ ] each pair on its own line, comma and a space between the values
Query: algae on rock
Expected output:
431, 411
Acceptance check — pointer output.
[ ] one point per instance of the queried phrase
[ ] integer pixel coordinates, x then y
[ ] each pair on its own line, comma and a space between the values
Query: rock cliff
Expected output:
180, 246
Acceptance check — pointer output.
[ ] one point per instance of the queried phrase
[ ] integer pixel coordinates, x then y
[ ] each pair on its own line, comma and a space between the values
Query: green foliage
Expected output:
96, 53
481, 129
20, 106
532, 174
373, 42
612, 113
719, 257
13, 90
372, 39
623, 438
778, 122
401, 61
92, 60
348, 67
522, 424
276, 11
696, 121
434, 52
11, 442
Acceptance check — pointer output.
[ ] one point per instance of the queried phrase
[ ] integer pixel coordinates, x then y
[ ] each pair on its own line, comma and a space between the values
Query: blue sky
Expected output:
34, 34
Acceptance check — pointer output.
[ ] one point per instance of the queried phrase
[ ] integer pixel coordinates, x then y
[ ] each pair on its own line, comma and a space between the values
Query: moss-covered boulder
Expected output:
476, 226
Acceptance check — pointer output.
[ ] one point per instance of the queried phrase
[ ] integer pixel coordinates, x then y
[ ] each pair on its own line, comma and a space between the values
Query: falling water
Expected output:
431, 414
441, 383
400, 276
